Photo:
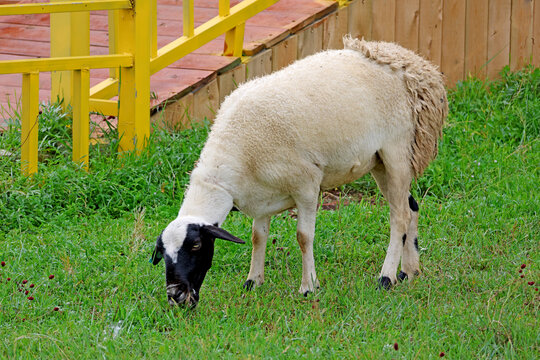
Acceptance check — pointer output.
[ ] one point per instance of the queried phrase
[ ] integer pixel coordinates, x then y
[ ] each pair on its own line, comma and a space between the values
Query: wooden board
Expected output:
476, 38
498, 36
536, 34
206, 102
407, 16
310, 40
521, 33
229, 81
430, 30
259, 65
360, 19
334, 28
453, 41
176, 115
285, 53
384, 16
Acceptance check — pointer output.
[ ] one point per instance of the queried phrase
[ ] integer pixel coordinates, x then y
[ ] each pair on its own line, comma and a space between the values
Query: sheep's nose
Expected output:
177, 297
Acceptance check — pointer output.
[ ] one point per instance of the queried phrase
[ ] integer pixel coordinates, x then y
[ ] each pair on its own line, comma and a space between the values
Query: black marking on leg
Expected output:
413, 204
306, 293
385, 283
416, 244
402, 276
404, 238
248, 285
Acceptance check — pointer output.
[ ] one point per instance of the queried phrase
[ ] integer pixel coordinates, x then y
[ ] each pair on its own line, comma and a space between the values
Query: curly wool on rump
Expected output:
425, 87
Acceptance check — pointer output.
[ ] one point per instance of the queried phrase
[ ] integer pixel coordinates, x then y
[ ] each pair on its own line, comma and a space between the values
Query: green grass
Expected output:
95, 231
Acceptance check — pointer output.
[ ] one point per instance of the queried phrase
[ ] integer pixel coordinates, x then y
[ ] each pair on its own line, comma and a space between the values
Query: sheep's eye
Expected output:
196, 246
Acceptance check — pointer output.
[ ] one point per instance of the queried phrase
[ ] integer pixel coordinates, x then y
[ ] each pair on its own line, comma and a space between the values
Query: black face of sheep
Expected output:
188, 251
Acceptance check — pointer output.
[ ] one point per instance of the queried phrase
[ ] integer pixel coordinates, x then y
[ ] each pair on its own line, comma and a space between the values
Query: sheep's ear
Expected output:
157, 255
219, 233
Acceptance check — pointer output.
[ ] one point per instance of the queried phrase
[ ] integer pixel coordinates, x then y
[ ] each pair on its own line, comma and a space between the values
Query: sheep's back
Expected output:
331, 106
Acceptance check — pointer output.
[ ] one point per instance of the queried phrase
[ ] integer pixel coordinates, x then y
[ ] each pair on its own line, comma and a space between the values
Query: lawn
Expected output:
75, 280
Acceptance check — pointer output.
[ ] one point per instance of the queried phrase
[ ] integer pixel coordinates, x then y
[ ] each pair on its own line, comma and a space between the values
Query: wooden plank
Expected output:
407, 16
258, 38
498, 36
206, 102
229, 81
521, 33
310, 40
536, 34
285, 53
259, 65
384, 20
176, 115
476, 38
453, 41
360, 19
335, 27
430, 29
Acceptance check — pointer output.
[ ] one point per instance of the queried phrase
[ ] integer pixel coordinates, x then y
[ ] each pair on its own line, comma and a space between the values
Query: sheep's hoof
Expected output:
402, 276
248, 285
385, 283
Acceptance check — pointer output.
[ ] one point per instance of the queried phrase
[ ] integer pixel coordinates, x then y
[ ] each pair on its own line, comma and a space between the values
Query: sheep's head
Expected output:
187, 244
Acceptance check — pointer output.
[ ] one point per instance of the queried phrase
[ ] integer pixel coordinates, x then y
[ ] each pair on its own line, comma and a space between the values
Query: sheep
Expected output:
278, 140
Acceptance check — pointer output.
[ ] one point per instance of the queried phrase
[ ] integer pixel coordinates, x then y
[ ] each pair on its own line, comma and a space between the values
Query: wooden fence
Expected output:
477, 37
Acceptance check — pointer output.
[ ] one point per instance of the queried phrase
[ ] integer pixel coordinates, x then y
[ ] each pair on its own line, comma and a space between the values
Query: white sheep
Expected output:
279, 140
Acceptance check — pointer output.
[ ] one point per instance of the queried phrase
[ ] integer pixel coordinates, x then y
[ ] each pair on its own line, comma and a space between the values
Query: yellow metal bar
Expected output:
105, 89
224, 7
234, 41
113, 39
104, 107
142, 73
29, 123
65, 63
81, 123
153, 25
134, 112
188, 17
208, 31
60, 25
69, 6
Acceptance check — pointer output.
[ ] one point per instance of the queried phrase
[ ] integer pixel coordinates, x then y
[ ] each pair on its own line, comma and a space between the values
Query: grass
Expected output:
95, 231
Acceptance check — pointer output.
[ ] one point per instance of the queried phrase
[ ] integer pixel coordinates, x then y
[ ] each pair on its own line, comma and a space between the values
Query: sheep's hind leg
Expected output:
394, 181
305, 232
410, 262
259, 236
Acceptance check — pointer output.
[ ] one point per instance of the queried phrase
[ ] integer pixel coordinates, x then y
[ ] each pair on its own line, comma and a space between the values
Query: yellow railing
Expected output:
133, 57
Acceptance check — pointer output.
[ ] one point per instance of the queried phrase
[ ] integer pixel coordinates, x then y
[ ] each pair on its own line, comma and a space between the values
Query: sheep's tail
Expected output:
427, 95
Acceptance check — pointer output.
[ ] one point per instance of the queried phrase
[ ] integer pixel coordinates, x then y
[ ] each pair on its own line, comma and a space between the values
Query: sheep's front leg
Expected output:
259, 236
305, 232
410, 262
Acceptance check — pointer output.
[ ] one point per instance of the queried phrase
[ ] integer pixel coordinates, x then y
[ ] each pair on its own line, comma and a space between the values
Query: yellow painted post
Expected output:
234, 41
113, 39
126, 111
70, 36
142, 73
188, 17
134, 113
154, 28
81, 123
29, 123
234, 38
224, 7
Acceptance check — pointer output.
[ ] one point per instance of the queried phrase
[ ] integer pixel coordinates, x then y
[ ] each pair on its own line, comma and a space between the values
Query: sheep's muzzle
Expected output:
179, 294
